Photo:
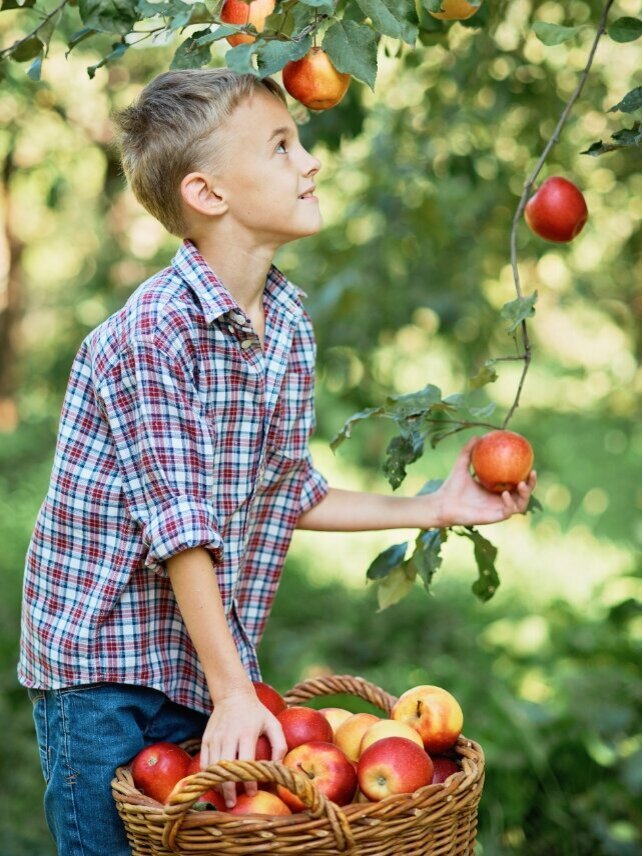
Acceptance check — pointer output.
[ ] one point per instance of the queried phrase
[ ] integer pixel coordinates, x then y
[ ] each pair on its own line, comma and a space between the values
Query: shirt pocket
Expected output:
294, 416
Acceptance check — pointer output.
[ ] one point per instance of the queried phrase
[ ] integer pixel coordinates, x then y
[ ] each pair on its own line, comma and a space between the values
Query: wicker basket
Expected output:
434, 821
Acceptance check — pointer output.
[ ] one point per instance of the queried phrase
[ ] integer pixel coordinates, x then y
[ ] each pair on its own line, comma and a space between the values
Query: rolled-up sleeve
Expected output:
315, 486
165, 449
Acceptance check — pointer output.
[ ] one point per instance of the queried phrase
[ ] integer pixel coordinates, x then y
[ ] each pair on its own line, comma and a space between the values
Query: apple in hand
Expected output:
434, 713
314, 81
269, 697
502, 459
557, 210
393, 765
455, 10
443, 767
327, 766
157, 768
238, 12
389, 728
263, 802
335, 716
349, 734
303, 724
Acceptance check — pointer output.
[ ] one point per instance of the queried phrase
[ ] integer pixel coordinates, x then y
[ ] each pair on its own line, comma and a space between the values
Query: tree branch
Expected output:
526, 195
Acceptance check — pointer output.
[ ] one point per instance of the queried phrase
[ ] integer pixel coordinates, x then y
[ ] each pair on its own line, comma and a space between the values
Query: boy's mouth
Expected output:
309, 193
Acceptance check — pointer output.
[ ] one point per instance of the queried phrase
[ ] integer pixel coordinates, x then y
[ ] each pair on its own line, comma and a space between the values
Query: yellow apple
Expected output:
389, 728
455, 10
348, 735
434, 713
335, 716
314, 81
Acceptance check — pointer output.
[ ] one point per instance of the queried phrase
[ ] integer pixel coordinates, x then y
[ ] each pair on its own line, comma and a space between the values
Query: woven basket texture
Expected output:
437, 820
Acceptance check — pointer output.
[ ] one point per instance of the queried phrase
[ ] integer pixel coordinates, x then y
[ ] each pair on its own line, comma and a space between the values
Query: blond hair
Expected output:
170, 131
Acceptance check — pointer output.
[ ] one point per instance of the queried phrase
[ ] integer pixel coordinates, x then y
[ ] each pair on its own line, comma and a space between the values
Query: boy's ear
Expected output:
200, 193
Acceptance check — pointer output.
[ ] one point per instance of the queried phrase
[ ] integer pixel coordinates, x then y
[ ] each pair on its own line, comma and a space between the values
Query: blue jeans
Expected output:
84, 733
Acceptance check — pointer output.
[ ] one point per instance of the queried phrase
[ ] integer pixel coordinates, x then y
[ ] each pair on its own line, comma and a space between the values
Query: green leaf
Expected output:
191, 53
116, 16
402, 451
485, 554
554, 34
208, 36
631, 102
346, 431
518, 310
486, 374
239, 58
412, 403
387, 561
118, 49
326, 6
29, 49
352, 47
390, 17
431, 486
80, 36
533, 505
273, 55
395, 586
624, 138
13, 4
35, 68
625, 29
427, 555
483, 412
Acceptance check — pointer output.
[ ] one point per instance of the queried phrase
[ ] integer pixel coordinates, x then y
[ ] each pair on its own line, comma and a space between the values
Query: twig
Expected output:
30, 35
526, 194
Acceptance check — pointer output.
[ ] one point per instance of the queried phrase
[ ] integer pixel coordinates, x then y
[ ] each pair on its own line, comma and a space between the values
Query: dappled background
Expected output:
419, 184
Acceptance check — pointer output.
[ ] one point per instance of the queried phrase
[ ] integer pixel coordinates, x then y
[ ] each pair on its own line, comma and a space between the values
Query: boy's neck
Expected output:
243, 272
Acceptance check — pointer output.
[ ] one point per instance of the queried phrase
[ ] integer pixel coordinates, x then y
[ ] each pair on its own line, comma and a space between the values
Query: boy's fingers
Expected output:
277, 741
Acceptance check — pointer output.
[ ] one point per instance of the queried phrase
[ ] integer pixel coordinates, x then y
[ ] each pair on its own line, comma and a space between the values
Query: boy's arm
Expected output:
459, 500
238, 718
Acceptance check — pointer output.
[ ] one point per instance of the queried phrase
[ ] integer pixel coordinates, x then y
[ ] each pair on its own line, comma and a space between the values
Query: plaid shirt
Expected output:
177, 431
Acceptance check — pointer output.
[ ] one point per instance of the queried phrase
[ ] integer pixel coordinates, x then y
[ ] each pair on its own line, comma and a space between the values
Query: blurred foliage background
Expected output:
419, 184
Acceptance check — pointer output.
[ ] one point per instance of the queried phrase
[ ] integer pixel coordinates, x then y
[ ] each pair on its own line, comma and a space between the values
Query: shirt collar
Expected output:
216, 300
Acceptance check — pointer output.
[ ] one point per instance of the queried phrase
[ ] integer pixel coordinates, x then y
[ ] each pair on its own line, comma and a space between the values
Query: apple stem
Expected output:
303, 770
526, 356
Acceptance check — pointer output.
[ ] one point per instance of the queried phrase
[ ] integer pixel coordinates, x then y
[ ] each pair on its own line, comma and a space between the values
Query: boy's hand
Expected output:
463, 501
231, 733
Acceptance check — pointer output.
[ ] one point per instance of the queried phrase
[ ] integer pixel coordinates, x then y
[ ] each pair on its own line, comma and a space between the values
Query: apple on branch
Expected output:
314, 81
238, 12
557, 211
456, 10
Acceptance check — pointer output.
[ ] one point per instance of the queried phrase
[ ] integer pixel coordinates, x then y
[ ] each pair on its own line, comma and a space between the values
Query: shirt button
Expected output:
247, 343
240, 319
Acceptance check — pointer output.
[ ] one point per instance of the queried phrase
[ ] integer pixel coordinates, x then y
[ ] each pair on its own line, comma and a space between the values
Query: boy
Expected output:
182, 463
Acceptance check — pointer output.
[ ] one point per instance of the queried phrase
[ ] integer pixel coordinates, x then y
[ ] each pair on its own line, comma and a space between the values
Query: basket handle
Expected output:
332, 684
255, 771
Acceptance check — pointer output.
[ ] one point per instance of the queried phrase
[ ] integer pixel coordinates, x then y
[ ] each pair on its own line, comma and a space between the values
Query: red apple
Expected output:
502, 459
238, 12
393, 765
157, 768
324, 763
263, 802
434, 713
455, 10
210, 796
303, 724
557, 211
443, 768
314, 81
269, 697
389, 728
349, 734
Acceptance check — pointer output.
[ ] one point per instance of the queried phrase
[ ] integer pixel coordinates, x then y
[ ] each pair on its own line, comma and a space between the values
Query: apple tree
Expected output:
353, 35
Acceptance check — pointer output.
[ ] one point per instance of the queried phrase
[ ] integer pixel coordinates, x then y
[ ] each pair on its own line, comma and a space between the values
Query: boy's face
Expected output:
265, 172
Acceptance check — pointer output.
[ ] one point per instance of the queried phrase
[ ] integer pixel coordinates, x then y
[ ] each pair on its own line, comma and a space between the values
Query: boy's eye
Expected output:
282, 145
